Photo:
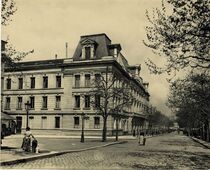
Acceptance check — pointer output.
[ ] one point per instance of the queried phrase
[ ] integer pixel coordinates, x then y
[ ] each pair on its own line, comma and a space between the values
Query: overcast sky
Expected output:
46, 25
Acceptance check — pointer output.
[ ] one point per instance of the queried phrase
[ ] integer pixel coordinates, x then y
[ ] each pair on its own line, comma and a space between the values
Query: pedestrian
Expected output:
134, 133
26, 144
140, 138
34, 145
144, 139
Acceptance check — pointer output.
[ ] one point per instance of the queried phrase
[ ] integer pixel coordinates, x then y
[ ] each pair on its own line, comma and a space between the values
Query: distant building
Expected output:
55, 89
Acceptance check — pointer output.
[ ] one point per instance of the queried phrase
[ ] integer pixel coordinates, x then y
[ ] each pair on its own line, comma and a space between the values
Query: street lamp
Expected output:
27, 107
84, 117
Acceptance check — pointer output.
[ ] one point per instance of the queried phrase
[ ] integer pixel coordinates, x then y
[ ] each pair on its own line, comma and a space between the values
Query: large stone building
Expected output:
55, 90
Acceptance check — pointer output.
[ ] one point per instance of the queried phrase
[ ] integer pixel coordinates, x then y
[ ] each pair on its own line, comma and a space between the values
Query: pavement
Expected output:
204, 143
169, 151
11, 153
50, 145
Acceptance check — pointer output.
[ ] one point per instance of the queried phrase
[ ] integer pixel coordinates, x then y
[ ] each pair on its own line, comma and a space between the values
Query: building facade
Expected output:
57, 90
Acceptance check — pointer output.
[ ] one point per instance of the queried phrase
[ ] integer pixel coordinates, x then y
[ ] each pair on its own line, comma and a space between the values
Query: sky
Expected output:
46, 25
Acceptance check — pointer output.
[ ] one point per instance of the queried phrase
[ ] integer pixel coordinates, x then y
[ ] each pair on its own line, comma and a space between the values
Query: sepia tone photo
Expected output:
109, 84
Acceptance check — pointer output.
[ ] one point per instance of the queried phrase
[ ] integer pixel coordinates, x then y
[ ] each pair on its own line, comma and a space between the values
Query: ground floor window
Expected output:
43, 122
57, 122
76, 122
96, 122
31, 121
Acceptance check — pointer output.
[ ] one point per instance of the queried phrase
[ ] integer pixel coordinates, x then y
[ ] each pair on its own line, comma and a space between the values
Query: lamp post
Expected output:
27, 106
84, 117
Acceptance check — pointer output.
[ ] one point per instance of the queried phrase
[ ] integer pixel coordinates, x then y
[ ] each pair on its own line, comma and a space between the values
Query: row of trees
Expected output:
180, 34
158, 122
190, 98
116, 98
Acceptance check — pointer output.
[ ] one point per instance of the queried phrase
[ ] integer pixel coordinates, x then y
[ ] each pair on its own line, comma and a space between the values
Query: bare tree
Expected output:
110, 96
180, 34
7, 10
10, 55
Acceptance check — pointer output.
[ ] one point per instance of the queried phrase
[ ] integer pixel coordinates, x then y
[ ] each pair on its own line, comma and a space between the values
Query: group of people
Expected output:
29, 142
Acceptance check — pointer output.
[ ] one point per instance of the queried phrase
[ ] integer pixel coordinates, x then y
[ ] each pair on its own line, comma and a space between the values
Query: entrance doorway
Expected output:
57, 122
19, 124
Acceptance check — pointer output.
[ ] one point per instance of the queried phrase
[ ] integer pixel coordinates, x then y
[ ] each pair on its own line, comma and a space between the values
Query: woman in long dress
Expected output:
26, 145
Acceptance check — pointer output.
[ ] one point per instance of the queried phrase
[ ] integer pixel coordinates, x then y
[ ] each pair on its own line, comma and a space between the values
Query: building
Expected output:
7, 121
56, 88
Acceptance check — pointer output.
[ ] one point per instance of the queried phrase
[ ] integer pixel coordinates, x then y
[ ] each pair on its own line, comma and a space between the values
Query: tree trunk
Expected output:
116, 130
104, 130
207, 131
189, 131
203, 132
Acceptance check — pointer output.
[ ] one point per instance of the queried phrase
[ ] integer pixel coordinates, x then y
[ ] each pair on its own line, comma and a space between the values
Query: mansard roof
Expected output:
102, 41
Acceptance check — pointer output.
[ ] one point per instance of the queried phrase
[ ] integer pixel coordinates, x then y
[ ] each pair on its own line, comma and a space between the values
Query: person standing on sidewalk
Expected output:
140, 138
144, 139
26, 145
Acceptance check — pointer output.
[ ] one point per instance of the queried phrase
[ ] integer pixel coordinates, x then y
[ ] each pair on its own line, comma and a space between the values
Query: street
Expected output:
169, 151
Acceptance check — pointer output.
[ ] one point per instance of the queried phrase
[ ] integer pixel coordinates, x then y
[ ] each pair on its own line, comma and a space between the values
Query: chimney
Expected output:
146, 85
66, 50
137, 70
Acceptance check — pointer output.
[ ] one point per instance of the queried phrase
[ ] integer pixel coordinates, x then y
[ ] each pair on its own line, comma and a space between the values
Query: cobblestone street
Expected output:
163, 152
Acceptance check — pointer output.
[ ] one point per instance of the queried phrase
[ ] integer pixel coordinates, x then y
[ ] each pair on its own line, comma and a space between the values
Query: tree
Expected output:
110, 95
190, 99
159, 121
10, 54
180, 35
7, 10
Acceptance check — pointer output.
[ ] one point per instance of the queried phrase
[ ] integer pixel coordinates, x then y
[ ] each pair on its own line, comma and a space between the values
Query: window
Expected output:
57, 122
87, 101
43, 122
87, 80
77, 80
77, 101
57, 102
7, 106
58, 81
76, 122
97, 77
8, 83
96, 122
45, 82
32, 101
20, 83
44, 103
87, 52
19, 103
97, 101
32, 82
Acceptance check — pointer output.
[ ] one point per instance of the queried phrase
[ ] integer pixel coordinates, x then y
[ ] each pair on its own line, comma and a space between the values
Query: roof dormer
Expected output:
88, 49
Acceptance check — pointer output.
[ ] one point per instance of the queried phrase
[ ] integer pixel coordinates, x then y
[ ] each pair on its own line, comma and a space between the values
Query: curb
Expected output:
51, 154
200, 142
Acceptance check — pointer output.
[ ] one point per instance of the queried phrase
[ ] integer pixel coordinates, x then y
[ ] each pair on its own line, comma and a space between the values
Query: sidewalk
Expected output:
204, 143
49, 146
71, 137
